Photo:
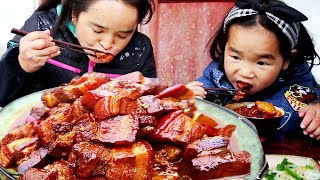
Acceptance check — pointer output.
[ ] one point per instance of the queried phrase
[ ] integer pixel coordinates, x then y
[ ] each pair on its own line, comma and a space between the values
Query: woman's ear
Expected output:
74, 19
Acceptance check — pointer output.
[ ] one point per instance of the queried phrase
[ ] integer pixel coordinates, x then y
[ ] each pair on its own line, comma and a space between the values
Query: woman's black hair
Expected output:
75, 7
305, 47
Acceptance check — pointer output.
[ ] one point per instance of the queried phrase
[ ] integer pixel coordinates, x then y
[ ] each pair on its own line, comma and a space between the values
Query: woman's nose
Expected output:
107, 43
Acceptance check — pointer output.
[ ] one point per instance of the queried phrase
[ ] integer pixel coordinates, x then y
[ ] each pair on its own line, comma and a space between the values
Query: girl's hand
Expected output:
35, 49
197, 89
311, 120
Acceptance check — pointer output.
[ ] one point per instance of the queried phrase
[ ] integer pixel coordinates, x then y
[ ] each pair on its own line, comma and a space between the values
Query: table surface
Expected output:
293, 144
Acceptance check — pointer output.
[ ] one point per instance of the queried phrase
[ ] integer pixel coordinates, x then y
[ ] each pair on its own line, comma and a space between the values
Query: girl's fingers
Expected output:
194, 83
302, 112
316, 133
307, 118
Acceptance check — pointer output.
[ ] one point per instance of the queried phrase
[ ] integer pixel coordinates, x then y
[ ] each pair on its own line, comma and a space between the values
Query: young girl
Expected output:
265, 45
107, 25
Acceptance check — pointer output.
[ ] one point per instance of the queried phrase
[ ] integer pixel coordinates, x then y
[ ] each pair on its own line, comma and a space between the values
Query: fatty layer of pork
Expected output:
121, 130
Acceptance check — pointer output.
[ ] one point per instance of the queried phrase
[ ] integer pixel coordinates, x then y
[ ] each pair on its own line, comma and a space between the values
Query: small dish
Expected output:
266, 127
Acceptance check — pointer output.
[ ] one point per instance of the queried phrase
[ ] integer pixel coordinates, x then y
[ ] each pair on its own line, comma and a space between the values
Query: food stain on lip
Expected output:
105, 57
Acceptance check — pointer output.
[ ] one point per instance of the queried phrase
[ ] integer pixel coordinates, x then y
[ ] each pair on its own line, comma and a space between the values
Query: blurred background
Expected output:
179, 32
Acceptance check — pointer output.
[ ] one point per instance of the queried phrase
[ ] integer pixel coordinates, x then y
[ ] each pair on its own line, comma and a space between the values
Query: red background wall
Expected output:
180, 33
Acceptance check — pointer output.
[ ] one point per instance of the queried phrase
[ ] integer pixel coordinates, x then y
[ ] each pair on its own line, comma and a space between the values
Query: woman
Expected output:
107, 25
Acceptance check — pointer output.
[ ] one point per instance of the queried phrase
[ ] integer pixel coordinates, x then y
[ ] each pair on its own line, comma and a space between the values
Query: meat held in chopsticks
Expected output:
244, 90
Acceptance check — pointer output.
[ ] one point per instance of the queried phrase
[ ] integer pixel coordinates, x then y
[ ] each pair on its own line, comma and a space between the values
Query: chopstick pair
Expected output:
65, 45
221, 91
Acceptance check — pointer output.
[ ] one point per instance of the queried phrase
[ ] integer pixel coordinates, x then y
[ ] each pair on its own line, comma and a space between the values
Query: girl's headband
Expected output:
285, 17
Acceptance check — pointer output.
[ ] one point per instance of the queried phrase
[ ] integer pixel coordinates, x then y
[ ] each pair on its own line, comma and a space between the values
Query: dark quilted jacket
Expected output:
15, 83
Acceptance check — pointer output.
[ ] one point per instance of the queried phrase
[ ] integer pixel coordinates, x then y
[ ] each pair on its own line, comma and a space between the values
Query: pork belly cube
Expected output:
38, 114
178, 92
86, 129
114, 105
167, 154
62, 145
90, 99
45, 132
95, 78
26, 130
147, 126
36, 173
63, 94
125, 88
146, 120
78, 110
131, 88
119, 130
209, 144
36, 159
93, 178
220, 165
89, 159
179, 128
152, 105
177, 97
131, 162
211, 157
60, 122
112, 88
225, 131
73, 90
147, 85
65, 171
17, 149
63, 113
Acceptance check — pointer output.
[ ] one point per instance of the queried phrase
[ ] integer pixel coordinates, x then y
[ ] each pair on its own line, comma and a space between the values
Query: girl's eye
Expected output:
262, 63
236, 57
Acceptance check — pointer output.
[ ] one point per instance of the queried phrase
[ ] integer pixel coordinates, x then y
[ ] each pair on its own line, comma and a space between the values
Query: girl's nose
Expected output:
246, 71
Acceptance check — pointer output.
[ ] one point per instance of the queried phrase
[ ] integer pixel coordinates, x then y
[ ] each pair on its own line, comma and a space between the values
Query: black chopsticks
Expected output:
220, 91
63, 44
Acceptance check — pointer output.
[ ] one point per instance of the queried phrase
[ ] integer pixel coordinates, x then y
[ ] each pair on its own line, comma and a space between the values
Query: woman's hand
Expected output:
197, 89
35, 49
311, 120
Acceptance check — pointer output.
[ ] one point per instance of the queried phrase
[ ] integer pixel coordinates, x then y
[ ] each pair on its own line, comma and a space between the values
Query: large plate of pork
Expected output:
128, 127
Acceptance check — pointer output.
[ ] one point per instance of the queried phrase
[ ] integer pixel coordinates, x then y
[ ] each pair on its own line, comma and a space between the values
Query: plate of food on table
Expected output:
125, 128
291, 167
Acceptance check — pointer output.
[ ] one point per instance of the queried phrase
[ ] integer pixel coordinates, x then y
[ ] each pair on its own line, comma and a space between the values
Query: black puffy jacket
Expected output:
15, 82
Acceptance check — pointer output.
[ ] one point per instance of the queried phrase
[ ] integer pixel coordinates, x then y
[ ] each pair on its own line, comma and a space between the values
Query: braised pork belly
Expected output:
125, 128
243, 91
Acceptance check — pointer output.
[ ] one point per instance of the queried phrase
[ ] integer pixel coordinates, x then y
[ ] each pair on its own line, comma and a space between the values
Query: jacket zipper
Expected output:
64, 66
77, 70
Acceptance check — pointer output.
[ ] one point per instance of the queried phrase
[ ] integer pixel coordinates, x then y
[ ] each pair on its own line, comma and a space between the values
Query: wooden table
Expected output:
293, 144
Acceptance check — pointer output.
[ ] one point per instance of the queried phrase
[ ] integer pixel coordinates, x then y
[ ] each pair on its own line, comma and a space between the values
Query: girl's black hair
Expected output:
75, 7
305, 47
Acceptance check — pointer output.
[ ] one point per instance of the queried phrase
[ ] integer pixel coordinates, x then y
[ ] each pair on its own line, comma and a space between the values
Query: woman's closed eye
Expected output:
122, 36
97, 31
